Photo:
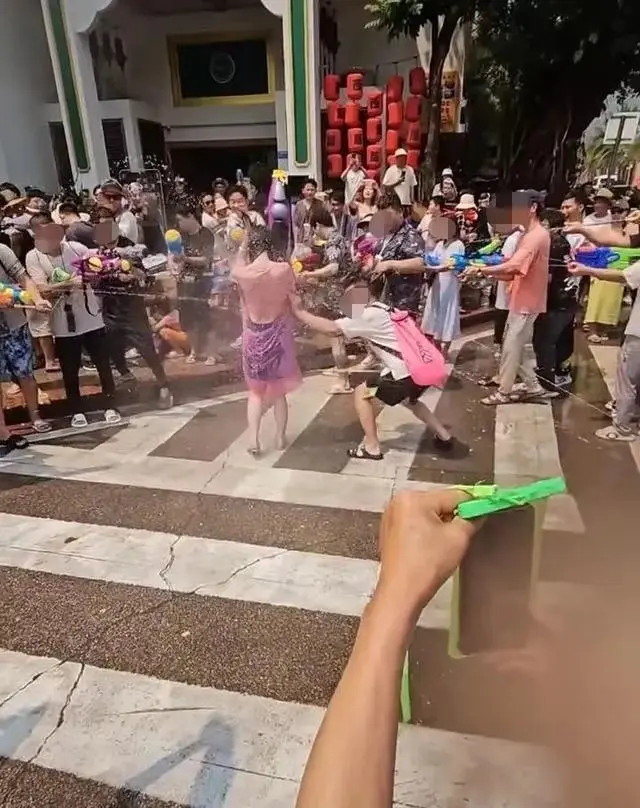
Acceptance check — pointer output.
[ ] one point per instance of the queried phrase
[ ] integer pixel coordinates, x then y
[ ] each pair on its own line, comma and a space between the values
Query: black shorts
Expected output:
394, 391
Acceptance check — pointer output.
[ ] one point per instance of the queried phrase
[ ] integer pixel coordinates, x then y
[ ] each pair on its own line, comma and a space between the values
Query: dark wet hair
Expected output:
9, 186
186, 211
578, 195
389, 200
554, 217
311, 181
259, 241
320, 215
40, 218
237, 189
69, 207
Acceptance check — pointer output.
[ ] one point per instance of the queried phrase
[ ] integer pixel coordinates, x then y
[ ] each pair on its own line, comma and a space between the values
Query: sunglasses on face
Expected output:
207, 201
112, 197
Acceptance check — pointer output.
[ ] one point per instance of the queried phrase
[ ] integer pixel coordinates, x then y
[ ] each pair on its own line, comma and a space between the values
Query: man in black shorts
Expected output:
393, 386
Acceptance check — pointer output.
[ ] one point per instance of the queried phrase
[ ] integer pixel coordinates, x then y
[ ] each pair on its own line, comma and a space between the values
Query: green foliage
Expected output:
407, 17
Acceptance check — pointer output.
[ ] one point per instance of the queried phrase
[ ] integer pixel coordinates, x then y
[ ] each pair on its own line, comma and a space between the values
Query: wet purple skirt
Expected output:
269, 357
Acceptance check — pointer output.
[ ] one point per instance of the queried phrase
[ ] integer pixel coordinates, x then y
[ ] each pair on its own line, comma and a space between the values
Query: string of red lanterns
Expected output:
364, 123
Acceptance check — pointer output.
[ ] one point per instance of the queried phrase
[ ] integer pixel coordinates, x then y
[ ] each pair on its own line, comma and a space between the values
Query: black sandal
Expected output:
360, 453
14, 442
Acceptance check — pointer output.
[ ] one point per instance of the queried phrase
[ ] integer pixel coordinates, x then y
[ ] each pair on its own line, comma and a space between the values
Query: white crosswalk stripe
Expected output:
208, 748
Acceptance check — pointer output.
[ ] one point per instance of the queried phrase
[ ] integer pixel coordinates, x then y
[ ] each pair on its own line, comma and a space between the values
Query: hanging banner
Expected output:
450, 109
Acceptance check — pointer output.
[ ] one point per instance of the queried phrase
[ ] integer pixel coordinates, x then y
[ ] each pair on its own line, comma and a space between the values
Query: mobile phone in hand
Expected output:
495, 584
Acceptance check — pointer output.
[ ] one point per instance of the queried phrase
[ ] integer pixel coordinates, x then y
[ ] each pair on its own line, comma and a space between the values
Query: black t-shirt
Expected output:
563, 288
199, 245
82, 232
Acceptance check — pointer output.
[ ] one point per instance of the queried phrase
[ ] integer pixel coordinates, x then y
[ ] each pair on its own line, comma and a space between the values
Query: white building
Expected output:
212, 85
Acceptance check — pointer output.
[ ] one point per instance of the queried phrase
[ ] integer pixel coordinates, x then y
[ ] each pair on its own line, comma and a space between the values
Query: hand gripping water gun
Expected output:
607, 258
304, 260
11, 296
107, 263
174, 243
458, 263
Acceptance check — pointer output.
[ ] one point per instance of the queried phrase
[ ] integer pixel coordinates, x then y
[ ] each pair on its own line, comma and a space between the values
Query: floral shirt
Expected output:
403, 291
326, 297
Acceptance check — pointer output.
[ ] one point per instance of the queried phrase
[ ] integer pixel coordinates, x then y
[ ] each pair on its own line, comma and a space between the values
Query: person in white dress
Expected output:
441, 320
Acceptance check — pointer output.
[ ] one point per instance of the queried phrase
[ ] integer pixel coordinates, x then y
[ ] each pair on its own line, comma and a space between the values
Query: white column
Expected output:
132, 136
300, 35
83, 126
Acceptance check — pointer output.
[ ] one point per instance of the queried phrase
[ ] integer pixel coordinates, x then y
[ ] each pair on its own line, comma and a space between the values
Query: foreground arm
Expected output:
601, 235
353, 758
319, 324
611, 275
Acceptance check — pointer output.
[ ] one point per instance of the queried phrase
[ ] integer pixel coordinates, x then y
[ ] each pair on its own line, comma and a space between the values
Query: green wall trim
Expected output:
298, 17
69, 85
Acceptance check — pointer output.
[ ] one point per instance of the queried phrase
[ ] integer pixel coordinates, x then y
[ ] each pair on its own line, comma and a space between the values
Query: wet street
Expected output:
176, 614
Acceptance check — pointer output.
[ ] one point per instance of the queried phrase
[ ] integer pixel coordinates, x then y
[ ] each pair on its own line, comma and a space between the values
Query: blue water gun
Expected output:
606, 258
459, 262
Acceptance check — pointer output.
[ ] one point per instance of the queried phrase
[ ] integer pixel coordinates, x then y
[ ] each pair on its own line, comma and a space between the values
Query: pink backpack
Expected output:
424, 361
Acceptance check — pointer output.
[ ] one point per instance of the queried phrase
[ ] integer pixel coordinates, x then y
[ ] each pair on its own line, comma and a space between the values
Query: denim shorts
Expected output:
17, 357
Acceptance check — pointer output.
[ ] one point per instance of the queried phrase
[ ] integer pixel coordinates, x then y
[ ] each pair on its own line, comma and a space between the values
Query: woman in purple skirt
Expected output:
269, 357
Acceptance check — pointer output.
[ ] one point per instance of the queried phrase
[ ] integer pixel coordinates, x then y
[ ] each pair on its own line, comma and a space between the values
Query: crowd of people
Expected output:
362, 250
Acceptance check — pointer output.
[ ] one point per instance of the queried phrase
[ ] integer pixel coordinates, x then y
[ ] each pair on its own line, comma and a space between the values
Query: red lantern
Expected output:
414, 136
413, 109
333, 141
332, 87
395, 115
372, 174
413, 159
392, 141
352, 114
334, 166
374, 130
375, 101
395, 88
354, 86
374, 157
355, 140
417, 81
335, 115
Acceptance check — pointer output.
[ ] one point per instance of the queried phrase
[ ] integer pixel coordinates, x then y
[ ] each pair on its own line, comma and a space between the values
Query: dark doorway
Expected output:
200, 165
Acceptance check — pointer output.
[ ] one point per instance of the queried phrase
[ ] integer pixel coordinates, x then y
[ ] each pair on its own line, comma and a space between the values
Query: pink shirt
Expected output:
528, 293
266, 287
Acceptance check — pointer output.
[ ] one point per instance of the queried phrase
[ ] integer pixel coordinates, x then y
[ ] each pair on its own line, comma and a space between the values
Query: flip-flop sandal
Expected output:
597, 339
15, 442
41, 426
360, 453
496, 399
610, 433
338, 390
254, 451
489, 381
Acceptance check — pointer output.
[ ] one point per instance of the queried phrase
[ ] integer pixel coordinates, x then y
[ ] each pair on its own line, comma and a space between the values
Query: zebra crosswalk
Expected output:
176, 614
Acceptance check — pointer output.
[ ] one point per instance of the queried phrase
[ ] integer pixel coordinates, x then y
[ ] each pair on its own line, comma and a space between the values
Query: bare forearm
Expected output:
353, 758
410, 266
606, 236
611, 275
326, 272
31, 288
320, 324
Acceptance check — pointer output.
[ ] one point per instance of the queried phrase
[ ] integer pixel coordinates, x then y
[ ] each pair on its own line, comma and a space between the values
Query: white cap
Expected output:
447, 173
401, 153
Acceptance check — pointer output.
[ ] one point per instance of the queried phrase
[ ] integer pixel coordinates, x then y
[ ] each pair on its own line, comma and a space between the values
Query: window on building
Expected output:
221, 71
61, 154
115, 144
154, 150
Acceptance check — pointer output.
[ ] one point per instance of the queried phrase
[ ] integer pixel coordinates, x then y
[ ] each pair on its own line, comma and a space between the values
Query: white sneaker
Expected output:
79, 420
132, 353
